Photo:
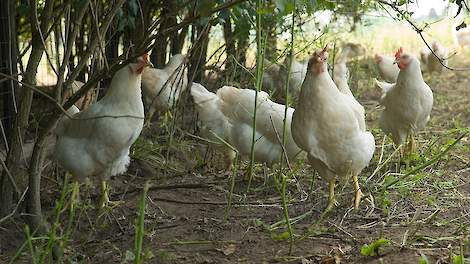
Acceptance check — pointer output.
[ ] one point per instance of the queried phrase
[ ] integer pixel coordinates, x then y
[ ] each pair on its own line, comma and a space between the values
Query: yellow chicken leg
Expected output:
411, 144
75, 196
331, 199
105, 202
357, 192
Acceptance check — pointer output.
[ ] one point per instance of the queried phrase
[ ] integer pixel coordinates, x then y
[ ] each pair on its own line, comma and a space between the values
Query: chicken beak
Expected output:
396, 61
149, 64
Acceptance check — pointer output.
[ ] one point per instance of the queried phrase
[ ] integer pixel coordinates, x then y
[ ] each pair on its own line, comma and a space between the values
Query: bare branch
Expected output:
420, 33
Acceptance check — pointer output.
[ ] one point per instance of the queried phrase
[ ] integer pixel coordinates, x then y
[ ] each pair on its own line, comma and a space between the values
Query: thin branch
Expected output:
16, 207
10, 177
420, 33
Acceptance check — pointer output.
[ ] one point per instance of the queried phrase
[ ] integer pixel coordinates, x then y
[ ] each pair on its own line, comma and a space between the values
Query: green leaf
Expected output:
119, 13
23, 9
457, 259
204, 7
373, 249
280, 237
423, 259
133, 7
131, 23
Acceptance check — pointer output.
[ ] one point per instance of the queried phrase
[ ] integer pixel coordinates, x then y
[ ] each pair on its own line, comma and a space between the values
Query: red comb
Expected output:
398, 53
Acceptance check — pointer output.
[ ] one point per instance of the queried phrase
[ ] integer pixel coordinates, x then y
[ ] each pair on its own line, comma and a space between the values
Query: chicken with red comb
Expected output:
95, 143
408, 102
327, 123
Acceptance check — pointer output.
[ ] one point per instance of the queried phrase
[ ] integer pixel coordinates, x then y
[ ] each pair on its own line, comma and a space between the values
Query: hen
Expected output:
328, 126
162, 87
340, 72
408, 102
214, 126
296, 76
423, 58
95, 142
434, 63
238, 106
387, 70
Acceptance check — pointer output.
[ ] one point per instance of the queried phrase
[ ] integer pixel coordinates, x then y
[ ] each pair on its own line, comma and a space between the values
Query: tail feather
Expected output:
233, 99
200, 94
384, 88
174, 63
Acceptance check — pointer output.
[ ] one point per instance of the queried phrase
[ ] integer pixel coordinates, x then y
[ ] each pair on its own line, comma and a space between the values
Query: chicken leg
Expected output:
105, 202
75, 196
357, 192
411, 144
331, 198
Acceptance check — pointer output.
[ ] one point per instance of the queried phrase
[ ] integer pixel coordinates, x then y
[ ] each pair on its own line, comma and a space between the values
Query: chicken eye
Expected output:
405, 57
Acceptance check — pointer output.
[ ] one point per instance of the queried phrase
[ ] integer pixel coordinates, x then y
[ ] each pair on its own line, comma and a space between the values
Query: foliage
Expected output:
370, 250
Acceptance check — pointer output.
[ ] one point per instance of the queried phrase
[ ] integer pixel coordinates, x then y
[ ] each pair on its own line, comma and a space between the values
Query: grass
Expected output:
140, 228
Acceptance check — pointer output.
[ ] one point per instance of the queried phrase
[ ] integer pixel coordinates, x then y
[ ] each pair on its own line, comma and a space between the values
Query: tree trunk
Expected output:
8, 57
229, 45
242, 46
80, 47
271, 39
177, 42
37, 50
199, 54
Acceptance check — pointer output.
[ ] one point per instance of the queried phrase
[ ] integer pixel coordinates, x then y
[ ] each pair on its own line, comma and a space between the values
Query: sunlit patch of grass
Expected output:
152, 152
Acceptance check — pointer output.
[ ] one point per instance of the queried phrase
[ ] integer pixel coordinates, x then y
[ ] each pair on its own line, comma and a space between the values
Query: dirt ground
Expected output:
425, 216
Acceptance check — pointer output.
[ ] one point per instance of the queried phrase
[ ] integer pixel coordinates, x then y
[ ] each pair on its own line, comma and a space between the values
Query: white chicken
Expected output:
434, 63
95, 142
162, 87
408, 102
213, 124
423, 58
327, 125
340, 73
238, 106
387, 70
296, 77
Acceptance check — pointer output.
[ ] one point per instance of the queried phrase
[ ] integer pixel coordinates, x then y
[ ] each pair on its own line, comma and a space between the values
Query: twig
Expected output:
420, 32
10, 177
16, 207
